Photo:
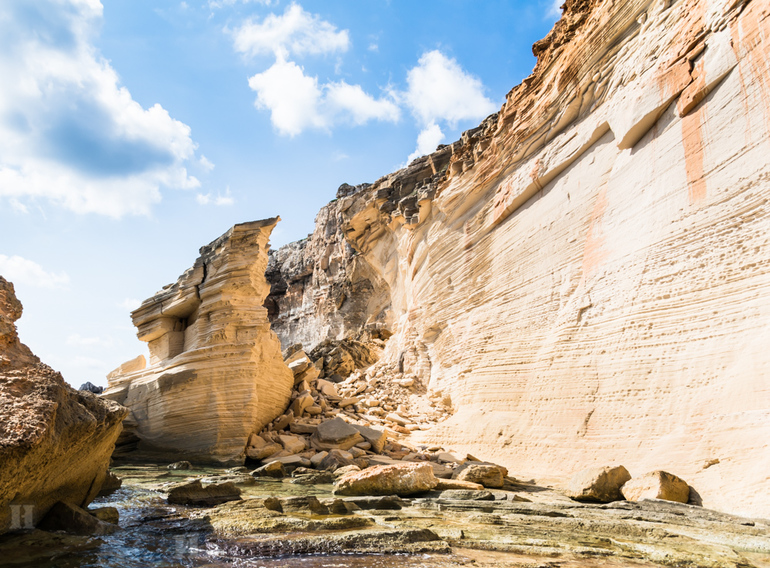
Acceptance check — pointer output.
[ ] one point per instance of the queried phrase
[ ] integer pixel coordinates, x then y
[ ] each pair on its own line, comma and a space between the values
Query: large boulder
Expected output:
486, 474
195, 493
598, 484
656, 485
335, 434
398, 479
55, 441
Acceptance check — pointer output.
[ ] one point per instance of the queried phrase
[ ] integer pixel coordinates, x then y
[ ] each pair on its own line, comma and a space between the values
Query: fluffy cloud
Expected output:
296, 32
430, 137
216, 4
439, 89
219, 200
297, 102
20, 270
69, 132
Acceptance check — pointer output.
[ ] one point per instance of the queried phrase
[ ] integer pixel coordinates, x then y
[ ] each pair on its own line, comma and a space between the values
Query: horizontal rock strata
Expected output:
215, 374
55, 442
583, 278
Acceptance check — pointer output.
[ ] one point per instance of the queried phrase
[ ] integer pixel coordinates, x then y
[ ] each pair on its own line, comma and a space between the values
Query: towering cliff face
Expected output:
215, 373
587, 274
55, 442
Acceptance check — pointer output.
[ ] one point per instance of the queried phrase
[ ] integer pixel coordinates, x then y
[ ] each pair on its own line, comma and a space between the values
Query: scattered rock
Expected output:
274, 469
74, 520
336, 459
194, 493
180, 465
398, 479
488, 475
598, 484
656, 485
265, 451
335, 434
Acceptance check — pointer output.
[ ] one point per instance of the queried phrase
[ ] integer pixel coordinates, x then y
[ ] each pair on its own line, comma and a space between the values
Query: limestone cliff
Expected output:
55, 442
215, 372
586, 275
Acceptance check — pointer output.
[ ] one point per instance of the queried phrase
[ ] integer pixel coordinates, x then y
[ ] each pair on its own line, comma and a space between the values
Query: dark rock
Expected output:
106, 514
90, 387
111, 484
335, 434
336, 459
74, 520
194, 493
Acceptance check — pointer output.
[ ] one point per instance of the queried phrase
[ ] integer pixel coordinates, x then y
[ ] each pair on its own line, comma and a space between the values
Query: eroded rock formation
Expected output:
215, 373
55, 442
586, 274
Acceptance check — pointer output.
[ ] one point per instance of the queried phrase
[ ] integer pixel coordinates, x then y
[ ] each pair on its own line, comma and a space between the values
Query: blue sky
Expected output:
135, 131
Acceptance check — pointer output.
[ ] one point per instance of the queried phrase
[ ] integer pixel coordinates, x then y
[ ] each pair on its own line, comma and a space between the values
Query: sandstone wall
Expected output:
55, 442
215, 373
587, 274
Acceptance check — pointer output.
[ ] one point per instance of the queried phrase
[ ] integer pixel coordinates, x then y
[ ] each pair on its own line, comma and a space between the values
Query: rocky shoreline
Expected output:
521, 524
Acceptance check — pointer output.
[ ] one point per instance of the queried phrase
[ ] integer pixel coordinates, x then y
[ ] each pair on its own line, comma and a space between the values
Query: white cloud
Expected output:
297, 102
80, 341
17, 206
206, 164
22, 271
440, 90
296, 32
430, 137
129, 304
220, 200
69, 132
216, 4
554, 9
373, 47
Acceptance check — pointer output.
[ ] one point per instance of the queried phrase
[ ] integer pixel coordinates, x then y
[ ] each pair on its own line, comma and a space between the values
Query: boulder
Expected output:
90, 387
111, 484
274, 469
598, 484
397, 479
335, 434
656, 485
336, 459
106, 514
55, 441
376, 438
74, 520
265, 451
194, 493
487, 474
293, 444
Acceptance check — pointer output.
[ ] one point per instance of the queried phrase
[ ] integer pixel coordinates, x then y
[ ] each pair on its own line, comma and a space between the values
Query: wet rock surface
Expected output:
282, 524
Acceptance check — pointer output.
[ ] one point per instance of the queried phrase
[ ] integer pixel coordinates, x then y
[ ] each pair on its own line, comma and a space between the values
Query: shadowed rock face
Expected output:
215, 373
586, 273
55, 442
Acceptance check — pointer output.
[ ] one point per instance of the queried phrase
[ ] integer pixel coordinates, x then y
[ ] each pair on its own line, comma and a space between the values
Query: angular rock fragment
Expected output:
656, 485
598, 484
488, 475
74, 520
194, 493
398, 479
335, 434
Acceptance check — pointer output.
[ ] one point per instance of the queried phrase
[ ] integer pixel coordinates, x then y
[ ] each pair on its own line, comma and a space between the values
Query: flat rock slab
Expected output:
335, 434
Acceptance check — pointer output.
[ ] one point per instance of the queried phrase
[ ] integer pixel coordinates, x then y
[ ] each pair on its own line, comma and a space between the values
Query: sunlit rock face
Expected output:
55, 442
215, 373
587, 274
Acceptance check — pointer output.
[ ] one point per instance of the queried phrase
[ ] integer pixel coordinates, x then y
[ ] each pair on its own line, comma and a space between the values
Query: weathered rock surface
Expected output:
55, 442
488, 475
656, 485
215, 373
74, 520
598, 484
397, 479
584, 277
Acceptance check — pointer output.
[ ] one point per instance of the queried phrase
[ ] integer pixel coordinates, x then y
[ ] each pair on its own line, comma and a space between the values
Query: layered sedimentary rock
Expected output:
55, 442
215, 373
586, 275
